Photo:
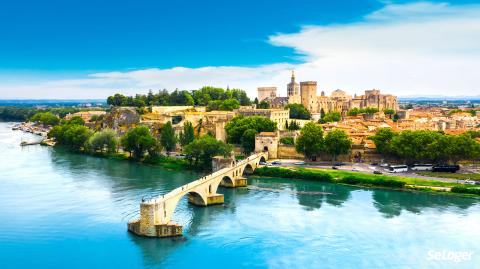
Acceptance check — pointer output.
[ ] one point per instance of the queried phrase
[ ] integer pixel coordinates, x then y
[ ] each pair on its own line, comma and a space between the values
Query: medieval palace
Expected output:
305, 93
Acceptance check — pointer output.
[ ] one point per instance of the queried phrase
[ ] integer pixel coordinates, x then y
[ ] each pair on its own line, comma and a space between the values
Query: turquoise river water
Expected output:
64, 210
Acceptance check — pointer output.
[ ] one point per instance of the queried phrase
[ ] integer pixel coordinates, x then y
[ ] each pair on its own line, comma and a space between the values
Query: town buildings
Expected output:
305, 93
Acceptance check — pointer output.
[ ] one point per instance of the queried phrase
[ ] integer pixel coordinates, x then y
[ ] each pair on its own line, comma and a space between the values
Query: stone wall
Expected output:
288, 152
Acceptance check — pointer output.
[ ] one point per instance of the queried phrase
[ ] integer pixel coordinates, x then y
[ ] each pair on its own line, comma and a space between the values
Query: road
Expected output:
359, 168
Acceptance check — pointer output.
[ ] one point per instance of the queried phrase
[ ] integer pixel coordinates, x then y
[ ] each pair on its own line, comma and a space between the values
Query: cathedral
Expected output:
305, 93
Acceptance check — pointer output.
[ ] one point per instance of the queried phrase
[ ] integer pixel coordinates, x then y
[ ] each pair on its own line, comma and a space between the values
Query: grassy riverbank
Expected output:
368, 180
451, 175
166, 162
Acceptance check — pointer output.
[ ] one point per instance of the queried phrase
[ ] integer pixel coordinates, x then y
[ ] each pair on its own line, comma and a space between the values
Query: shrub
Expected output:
374, 181
287, 140
288, 173
466, 190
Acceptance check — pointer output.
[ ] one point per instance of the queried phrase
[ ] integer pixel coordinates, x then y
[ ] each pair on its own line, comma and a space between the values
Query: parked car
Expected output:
384, 165
276, 163
469, 181
334, 168
376, 172
355, 169
339, 164
262, 163
299, 163
374, 163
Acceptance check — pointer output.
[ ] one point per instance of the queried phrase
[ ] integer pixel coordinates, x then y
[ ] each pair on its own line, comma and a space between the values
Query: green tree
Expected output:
298, 111
75, 120
46, 118
248, 140
187, 135
287, 140
137, 141
337, 142
117, 100
201, 150
331, 117
463, 147
389, 112
241, 96
229, 105
310, 140
383, 139
293, 126
263, 105
168, 139
75, 137
104, 140
239, 124
214, 105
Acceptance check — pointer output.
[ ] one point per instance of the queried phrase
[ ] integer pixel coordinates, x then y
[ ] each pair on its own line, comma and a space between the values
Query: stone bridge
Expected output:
156, 214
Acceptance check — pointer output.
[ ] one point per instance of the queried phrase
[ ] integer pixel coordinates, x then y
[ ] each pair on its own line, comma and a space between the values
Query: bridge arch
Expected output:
197, 198
227, 181
262, 159
248, 169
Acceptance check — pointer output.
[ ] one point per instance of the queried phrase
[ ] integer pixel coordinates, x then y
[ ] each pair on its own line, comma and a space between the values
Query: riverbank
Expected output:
370, 180
167, 162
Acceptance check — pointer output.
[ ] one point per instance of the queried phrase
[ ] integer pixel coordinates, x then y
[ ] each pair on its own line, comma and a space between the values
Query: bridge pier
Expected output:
237, 182
212, 199
156, 214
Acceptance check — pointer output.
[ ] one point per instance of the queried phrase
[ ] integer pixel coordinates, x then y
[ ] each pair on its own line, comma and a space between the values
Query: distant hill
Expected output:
438, 98
52, 102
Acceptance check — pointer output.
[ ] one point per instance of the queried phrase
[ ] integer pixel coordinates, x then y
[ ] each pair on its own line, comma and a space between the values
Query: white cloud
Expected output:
410, 49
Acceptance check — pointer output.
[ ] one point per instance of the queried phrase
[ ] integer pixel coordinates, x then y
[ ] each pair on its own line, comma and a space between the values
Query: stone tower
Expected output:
308, 92
293, 91
265, 92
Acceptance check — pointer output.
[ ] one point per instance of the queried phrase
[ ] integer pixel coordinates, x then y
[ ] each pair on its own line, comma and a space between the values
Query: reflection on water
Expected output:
391, 203
77, 206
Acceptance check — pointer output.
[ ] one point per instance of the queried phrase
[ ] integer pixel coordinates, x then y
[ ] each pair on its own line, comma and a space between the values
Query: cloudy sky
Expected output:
84, 49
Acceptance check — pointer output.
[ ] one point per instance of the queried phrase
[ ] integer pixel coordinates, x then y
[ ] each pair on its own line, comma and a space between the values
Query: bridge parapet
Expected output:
156, 214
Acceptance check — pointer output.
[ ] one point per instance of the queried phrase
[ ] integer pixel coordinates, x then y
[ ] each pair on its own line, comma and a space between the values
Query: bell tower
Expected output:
293, 91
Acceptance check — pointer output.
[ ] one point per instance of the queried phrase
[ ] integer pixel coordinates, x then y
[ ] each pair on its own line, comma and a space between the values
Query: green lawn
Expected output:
407, 180
450, 175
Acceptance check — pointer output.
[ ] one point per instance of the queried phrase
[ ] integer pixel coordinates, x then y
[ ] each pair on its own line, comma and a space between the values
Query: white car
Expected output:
469, 181
299, 163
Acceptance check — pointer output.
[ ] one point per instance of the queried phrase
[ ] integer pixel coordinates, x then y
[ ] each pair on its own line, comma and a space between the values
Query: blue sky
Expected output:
61, 49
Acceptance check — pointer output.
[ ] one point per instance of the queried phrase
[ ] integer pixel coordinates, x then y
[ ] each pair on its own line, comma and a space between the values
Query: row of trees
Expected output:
355, 111
312, 143
139, 142
212, 97
426, 146
12, 113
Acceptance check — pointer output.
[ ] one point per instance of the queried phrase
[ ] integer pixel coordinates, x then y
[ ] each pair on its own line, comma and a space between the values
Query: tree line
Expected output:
312, 143
13, 113
213, 98
139, 142
426, 146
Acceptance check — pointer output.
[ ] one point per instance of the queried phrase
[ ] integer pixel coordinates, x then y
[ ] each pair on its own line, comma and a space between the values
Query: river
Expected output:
64, 210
